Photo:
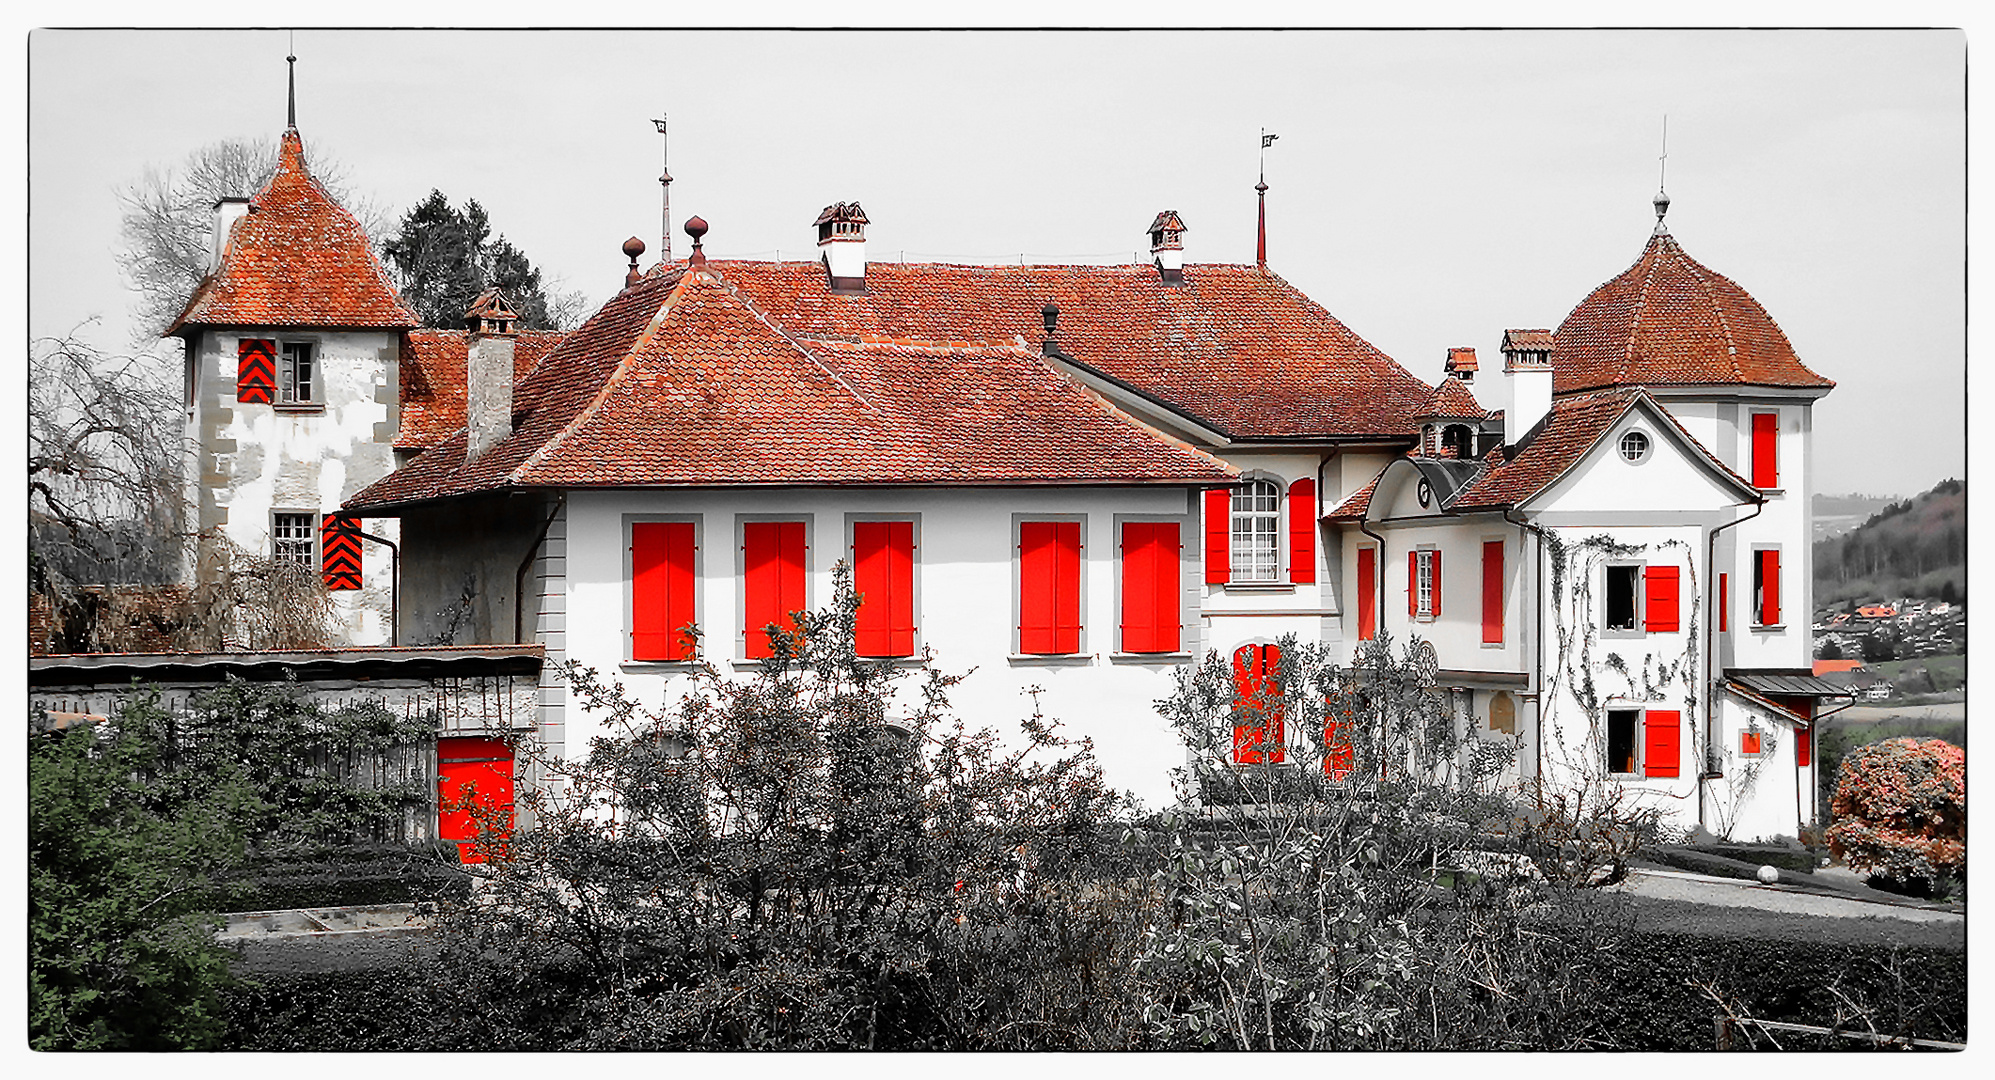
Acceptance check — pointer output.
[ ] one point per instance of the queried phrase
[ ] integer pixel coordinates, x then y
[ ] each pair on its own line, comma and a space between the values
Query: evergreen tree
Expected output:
443, 257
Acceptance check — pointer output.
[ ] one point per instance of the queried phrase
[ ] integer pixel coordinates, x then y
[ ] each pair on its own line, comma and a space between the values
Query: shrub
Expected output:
1901, 810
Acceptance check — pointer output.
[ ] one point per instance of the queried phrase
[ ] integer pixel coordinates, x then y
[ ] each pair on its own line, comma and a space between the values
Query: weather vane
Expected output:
665, 181
1261, 191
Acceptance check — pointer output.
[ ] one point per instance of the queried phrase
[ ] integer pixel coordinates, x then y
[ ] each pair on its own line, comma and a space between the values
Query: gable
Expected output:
1675, 475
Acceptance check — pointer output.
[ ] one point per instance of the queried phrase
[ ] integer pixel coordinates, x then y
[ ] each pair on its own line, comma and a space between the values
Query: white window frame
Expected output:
1241, 543
285, 549
1606, 582
1759, 586
1638, 737
1423, 583
1646, 451
288, 382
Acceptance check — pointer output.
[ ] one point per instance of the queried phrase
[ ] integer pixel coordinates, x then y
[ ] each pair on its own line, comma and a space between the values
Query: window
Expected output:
1766, 450
1367, 593
772, 581
1766, 587
1423, 584
883, 574
293, 539
1257, 706
1623, 587
1724, 602
1049, 587
1256, 546
662, 590
1804, 745
1750, 743
1492, 592
295, 374
1635, 446
1622, 725
1646, 743
1151, 605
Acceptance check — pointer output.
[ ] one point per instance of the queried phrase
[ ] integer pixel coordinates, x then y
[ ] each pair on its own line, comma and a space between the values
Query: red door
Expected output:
472, 772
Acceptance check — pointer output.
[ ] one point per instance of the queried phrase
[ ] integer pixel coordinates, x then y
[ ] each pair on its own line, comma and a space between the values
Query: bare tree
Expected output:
169, 218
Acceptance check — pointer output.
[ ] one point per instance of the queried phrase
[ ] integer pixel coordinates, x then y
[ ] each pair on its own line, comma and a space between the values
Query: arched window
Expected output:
1257, 512
1456, 441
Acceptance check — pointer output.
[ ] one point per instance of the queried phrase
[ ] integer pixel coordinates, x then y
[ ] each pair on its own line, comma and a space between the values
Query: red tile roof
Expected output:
1521, 340
680, 380
433, 389
296, 259
1461, 358
1234, 347
1670, 320
1359, 502
1452, 401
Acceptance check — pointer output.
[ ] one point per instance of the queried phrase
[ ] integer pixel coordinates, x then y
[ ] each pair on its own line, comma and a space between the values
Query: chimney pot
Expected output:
1167, 249
228, 210
1527, 368
488, 371
841, 246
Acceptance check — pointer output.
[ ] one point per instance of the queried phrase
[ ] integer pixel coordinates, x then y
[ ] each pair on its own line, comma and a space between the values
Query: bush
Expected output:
1901, 810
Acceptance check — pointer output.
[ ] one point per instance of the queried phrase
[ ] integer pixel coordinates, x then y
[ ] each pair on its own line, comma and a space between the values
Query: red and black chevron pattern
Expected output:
256, 371
339, 541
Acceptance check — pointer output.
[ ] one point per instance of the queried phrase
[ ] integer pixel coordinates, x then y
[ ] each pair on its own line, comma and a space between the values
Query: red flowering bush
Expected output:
1901, 811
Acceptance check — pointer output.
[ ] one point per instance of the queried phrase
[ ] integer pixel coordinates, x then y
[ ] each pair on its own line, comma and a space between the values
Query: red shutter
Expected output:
1663, 753
883, 573
1412, 584
1749, 742
1804, 745
773, 580
1367, 593
1302, 531
1492, 592
1660, 586
661, 590
1766, 450
1724, 601
1049, 587
1769, 571
1218, 536
473, 773
256, 371
1257, 701
1150, 604
339, 552
1337, 752
1434, 567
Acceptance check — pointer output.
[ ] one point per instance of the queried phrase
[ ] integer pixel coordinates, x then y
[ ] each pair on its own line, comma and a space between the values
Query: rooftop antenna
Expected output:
1662, 173
291, 103
1261, 190
665, 181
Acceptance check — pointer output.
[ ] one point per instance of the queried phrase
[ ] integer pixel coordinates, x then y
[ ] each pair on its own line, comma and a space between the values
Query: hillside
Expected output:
1915, 547
1838, 514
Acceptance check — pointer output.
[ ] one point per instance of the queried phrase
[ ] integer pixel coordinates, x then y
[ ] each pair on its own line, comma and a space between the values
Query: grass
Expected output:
1946, 672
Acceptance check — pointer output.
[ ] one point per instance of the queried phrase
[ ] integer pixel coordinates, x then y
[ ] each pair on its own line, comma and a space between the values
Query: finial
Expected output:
1261, 192
1661, 201
632, 248
665, 182
291, 102
696, 227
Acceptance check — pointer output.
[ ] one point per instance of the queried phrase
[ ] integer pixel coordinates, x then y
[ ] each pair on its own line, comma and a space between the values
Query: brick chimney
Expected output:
491, 328
228, 210
1167, 249
841, 246
1527, 368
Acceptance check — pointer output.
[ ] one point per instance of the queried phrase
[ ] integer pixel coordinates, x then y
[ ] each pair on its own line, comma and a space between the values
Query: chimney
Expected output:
1527, 367
1167, 249
1461, 364
228, 210
491, 327
841, 245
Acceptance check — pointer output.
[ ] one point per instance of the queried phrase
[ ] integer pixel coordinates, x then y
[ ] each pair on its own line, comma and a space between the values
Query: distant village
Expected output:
1863, 647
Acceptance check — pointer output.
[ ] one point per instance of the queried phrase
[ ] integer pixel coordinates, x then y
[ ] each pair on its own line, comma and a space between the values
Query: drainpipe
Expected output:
394, 586
1537, 650
1704, 774
519, 577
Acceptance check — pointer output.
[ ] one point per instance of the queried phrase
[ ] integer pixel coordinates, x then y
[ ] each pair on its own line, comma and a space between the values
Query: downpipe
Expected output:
394, 586
1704, 773
1537, 639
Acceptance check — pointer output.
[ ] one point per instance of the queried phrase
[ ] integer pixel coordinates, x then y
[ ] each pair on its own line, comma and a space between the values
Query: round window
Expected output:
1635, 446
1424, 492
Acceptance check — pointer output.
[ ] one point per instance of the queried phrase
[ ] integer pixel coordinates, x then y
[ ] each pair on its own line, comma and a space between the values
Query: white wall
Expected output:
964, 607
1760, 797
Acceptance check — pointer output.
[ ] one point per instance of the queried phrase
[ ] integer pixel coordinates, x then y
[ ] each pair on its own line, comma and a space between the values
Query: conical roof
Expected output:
1670, 320
297, 258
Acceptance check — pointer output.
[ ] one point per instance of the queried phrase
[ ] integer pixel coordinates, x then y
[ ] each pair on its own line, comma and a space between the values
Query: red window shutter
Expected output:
1804, 745
1660, 586
661, 590
474, 779
1724, 601
883, 573
1769, 569
256, 371
1492, 592
1337, 751
1749, 742
1412, 584
1218, 536
1663, 737
1302, 531
1049, 586
339, 552
1150, 619
1367, 593
773, 580
1434, 567
1766, 450
1257, 701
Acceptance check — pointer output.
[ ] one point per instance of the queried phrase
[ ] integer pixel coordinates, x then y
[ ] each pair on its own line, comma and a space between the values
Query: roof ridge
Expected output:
1641, 301
1117, 413
1703, 274
601, 396
797, 344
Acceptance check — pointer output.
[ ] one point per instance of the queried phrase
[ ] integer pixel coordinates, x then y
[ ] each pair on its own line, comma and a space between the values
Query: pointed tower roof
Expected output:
1670, 320
297, 258
1452, 401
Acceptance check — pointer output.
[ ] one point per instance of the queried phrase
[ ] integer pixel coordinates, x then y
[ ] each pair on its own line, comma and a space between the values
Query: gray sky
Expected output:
1428, 188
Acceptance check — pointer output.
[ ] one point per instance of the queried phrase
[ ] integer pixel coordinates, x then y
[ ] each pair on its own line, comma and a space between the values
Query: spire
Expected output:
1261, 191
1661, 201
665, 181
291, 100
